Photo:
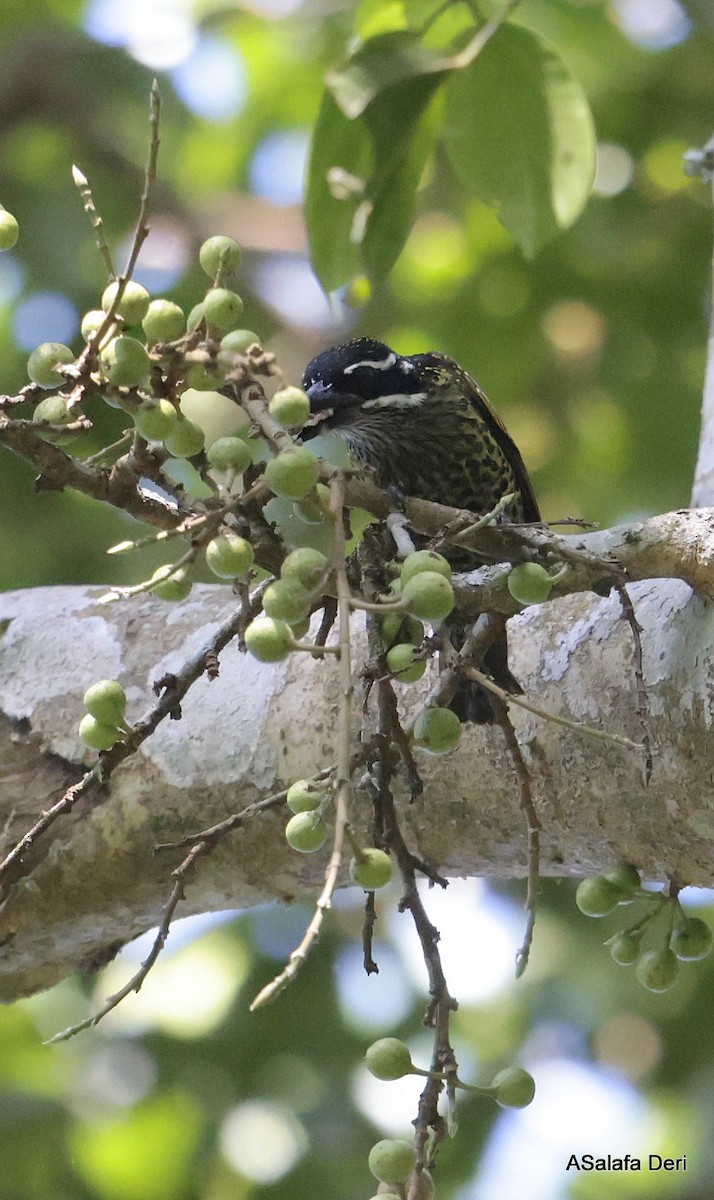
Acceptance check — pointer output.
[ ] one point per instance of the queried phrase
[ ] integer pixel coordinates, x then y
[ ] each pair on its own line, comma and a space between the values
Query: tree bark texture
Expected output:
94, 881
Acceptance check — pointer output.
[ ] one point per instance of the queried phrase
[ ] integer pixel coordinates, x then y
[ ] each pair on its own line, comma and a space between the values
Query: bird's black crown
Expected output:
356, 372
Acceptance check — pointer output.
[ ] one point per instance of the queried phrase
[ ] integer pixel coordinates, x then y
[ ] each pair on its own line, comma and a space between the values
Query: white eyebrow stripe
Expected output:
381, 364
399, 400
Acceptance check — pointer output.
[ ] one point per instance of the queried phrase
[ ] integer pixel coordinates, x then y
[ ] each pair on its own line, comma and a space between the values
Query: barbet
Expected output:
425, 428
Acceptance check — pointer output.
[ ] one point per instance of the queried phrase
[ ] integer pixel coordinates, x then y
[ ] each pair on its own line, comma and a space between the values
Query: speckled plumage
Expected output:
425, 427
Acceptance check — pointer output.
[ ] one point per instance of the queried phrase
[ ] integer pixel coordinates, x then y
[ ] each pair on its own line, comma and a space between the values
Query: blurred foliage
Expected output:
593, 351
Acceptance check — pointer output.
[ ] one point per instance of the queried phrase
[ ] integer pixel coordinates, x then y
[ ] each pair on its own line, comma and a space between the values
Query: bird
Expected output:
426, 429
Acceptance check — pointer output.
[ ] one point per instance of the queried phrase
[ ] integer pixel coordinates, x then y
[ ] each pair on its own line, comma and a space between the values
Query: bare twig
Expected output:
533, 826
82, 184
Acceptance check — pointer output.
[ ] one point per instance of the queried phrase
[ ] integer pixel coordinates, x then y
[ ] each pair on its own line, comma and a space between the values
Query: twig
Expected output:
82, 184
589, 730
343, 771
533, 826
142, 227
643, 706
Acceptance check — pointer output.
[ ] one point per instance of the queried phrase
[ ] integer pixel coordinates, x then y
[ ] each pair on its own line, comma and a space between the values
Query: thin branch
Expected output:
82, 184
533, 826
343, 770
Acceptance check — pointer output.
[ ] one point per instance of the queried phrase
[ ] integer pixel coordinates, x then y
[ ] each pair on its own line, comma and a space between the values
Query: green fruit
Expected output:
229, 555
657, 970
401, 662
92, 322
287, 600
292, 473
154, 419
229, 454
96, 734
306, 565
9, 230
597, 896
106, 701
626, 878
306, 795
513, 1088
134, 303
392, 1160
424, 560
204, 378
219, 253
306, 832
44, 359
374, 870
388, 1058
401, 627
429, 596
268, 640
54, 409
238, 341
164, 321
290, 406
194, 318
185, 438
174, 587
691, 940
437, 730
125, 361
222, 309
529, 583
624, 949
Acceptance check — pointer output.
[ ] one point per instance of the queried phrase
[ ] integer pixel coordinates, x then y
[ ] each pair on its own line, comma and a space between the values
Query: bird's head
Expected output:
360, 377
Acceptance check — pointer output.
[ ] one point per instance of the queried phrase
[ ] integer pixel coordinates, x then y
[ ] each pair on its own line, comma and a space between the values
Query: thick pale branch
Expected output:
94, 881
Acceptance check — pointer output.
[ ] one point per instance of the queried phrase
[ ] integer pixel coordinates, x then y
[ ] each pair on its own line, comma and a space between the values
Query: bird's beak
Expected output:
320, 396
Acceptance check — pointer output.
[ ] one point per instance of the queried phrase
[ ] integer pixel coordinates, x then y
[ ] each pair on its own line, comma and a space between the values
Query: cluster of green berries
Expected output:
103, 724
677, 937
158, 329
306, 831
392, 1160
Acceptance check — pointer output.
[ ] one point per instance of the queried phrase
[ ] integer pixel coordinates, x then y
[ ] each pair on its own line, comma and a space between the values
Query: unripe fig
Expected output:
372, 871
403, 665
292, 473
9, 230
286, 600
174, 587
437, 730
164, 321
657, 970
134, 303
692, 939
388, 1058
306, 832
306, 565
290, 406
268, 640
125, 361
306, 795
229, 555
229, 454
513, 1088
424, 560
154, 419
42, 363
529, 583
219, 252
597, 896
106, 701
222, 309
96, 734
429, 596
392, 1160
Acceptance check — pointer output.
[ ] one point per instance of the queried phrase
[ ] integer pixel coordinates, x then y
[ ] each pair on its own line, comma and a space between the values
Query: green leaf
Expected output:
380, 63
340, 161
521, 135
403, 126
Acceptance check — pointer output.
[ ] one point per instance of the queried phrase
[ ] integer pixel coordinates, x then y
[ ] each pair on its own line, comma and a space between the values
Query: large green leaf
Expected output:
340, 157
520, 135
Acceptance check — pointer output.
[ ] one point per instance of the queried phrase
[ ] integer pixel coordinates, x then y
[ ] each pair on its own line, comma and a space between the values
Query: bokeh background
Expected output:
594, 354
